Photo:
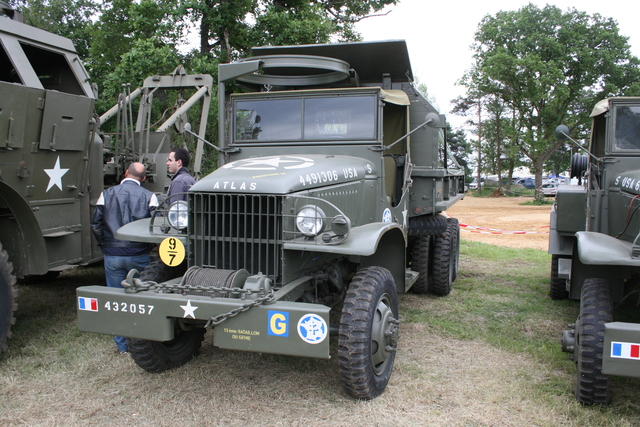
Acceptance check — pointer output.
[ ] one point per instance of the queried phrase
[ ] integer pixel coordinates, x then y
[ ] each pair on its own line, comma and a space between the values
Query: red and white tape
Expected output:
475, 229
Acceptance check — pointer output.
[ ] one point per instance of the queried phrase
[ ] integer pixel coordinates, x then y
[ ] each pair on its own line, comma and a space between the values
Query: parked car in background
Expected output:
474, 184
527, 182
550, 189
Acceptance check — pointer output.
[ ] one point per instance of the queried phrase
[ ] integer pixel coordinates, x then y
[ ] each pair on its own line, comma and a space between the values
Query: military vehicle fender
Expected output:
19, 229
378, 243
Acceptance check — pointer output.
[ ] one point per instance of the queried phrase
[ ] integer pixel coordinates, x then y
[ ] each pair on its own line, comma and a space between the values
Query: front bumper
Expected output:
290, 328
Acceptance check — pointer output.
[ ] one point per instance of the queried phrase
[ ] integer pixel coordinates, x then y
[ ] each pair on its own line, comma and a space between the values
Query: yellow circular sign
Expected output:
171, 251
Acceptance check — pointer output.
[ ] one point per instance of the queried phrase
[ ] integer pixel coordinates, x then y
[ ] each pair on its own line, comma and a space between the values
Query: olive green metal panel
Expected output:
362, 241
65, 125
297, 329
284, 174
621, 352
571, 208
112, 311
283, 328
138, 231
602, 249
13, 113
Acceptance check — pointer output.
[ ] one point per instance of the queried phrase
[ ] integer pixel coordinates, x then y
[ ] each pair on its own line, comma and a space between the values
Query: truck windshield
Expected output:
315, 118
627, 128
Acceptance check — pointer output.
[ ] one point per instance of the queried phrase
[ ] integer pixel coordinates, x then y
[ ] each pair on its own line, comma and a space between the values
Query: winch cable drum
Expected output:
220, 282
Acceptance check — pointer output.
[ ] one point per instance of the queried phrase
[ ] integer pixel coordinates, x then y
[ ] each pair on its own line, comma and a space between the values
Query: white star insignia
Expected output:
270, 163
55, 175
188, 310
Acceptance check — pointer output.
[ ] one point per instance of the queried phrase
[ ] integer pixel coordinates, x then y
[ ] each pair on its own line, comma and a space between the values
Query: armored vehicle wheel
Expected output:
558, 288
7, 298
443, 262
155, 356
427, 225
368, 333
419, 247
454, 226
592, 387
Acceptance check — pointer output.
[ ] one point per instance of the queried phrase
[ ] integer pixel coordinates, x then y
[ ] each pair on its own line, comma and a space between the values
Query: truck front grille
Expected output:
234, 231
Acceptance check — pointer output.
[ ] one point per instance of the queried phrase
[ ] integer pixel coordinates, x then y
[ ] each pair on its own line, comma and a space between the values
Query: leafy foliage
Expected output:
68, 18
543, 67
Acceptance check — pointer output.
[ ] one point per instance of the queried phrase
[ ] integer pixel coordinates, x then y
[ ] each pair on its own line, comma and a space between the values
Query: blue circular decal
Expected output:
386, 215
312, 328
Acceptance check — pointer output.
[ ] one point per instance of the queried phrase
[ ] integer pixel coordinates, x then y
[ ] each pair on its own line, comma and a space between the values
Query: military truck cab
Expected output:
595, 247
334, 171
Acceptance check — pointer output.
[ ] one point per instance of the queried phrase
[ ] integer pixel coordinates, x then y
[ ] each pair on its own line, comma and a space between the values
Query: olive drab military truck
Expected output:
334, 172
54, 161
595, 248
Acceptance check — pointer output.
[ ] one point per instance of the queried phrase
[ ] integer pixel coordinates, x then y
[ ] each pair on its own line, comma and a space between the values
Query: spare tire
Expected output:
579, 163
427, 225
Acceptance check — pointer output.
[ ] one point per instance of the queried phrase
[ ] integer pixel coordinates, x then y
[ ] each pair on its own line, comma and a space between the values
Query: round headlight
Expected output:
310, 220
179, 215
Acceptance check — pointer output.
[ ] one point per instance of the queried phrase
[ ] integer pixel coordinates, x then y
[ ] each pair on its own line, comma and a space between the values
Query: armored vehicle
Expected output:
334, 171
595, 248
54, 160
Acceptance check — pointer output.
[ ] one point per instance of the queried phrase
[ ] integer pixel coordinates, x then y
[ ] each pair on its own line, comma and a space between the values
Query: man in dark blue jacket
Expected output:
181, 181
117, 206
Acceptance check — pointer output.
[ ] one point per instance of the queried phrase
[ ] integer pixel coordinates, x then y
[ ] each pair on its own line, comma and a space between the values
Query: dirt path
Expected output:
503, 221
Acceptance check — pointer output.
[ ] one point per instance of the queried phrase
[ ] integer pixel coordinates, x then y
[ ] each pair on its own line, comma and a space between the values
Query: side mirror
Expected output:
186, 128
562, 132
435, 120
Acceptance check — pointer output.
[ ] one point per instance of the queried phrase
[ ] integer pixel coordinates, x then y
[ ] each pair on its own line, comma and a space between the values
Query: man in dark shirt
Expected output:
181, 181
117, 206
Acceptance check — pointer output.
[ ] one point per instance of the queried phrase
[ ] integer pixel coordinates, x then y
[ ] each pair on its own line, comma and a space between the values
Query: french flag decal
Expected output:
87, 304
625, 350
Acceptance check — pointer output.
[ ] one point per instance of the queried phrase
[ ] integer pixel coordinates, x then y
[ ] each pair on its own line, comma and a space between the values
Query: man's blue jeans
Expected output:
116, 269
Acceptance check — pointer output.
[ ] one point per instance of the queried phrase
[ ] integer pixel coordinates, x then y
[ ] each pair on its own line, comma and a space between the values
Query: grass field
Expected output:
486, 355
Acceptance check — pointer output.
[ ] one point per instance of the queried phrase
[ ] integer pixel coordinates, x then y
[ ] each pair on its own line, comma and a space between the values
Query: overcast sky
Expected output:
439, 33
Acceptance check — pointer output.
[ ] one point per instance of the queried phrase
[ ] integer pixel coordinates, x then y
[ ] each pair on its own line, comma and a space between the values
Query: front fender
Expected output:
141, 231
362, 241
602, 249
379, 244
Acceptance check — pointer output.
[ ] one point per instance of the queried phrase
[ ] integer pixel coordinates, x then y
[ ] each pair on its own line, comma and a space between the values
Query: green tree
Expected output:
228, 28
546, 66
121, 25
460, 147
67, 18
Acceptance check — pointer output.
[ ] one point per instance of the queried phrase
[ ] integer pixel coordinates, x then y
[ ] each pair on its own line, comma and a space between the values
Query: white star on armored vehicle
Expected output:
55, 175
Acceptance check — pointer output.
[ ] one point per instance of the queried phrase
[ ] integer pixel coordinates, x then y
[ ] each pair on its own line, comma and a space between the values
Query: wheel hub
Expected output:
384, 335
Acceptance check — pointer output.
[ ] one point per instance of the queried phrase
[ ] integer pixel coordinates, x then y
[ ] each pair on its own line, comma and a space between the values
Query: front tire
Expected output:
368, 333
592, 387
156, 356
8, 295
